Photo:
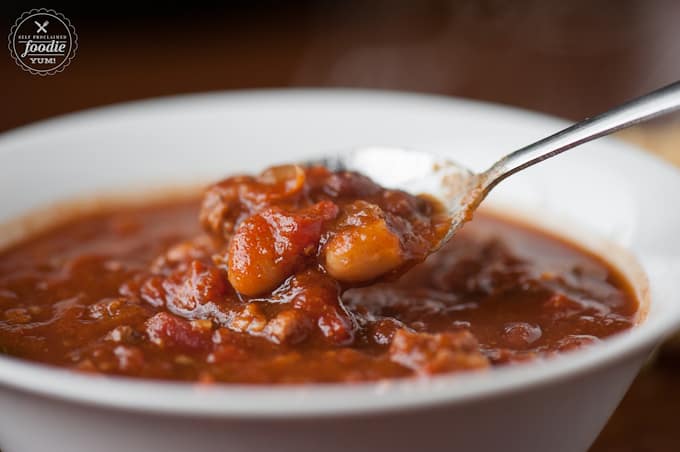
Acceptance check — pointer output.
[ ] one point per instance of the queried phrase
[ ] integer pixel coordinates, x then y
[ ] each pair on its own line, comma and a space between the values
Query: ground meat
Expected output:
429, 354
288, 327
168, 331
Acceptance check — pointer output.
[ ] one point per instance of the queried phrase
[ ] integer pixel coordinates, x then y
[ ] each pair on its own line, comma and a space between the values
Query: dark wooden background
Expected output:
567, 58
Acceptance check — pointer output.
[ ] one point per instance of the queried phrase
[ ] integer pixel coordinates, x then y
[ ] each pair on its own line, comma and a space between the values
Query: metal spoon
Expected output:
459, 189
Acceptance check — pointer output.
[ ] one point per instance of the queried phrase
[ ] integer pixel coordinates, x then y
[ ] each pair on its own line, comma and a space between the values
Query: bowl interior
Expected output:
613, 194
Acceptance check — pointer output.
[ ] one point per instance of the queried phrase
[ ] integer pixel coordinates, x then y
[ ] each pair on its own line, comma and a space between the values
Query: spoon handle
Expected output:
656, 103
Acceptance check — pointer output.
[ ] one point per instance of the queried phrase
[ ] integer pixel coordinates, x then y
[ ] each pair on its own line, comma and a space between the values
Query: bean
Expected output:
362, 252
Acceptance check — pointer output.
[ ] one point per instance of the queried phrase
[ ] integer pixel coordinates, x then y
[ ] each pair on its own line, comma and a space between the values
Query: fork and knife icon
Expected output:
41, 28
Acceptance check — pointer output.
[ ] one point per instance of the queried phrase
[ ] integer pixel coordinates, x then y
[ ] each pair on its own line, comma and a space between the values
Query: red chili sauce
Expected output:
300, 275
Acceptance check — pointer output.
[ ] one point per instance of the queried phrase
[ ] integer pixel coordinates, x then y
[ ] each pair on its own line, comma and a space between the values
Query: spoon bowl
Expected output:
457, 188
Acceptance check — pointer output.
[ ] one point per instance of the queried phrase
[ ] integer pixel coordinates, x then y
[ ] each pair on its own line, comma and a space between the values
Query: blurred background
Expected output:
566, 58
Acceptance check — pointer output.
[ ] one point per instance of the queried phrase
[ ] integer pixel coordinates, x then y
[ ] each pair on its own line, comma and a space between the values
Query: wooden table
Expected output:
570, 59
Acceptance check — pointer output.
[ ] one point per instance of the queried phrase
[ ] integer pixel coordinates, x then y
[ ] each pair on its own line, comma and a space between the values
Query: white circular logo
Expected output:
42, 42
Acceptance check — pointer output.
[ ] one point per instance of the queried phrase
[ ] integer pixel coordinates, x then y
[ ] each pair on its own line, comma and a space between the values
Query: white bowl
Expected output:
615, 195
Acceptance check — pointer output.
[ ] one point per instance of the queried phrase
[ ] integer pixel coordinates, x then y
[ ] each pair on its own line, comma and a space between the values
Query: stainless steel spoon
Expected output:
459, 189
